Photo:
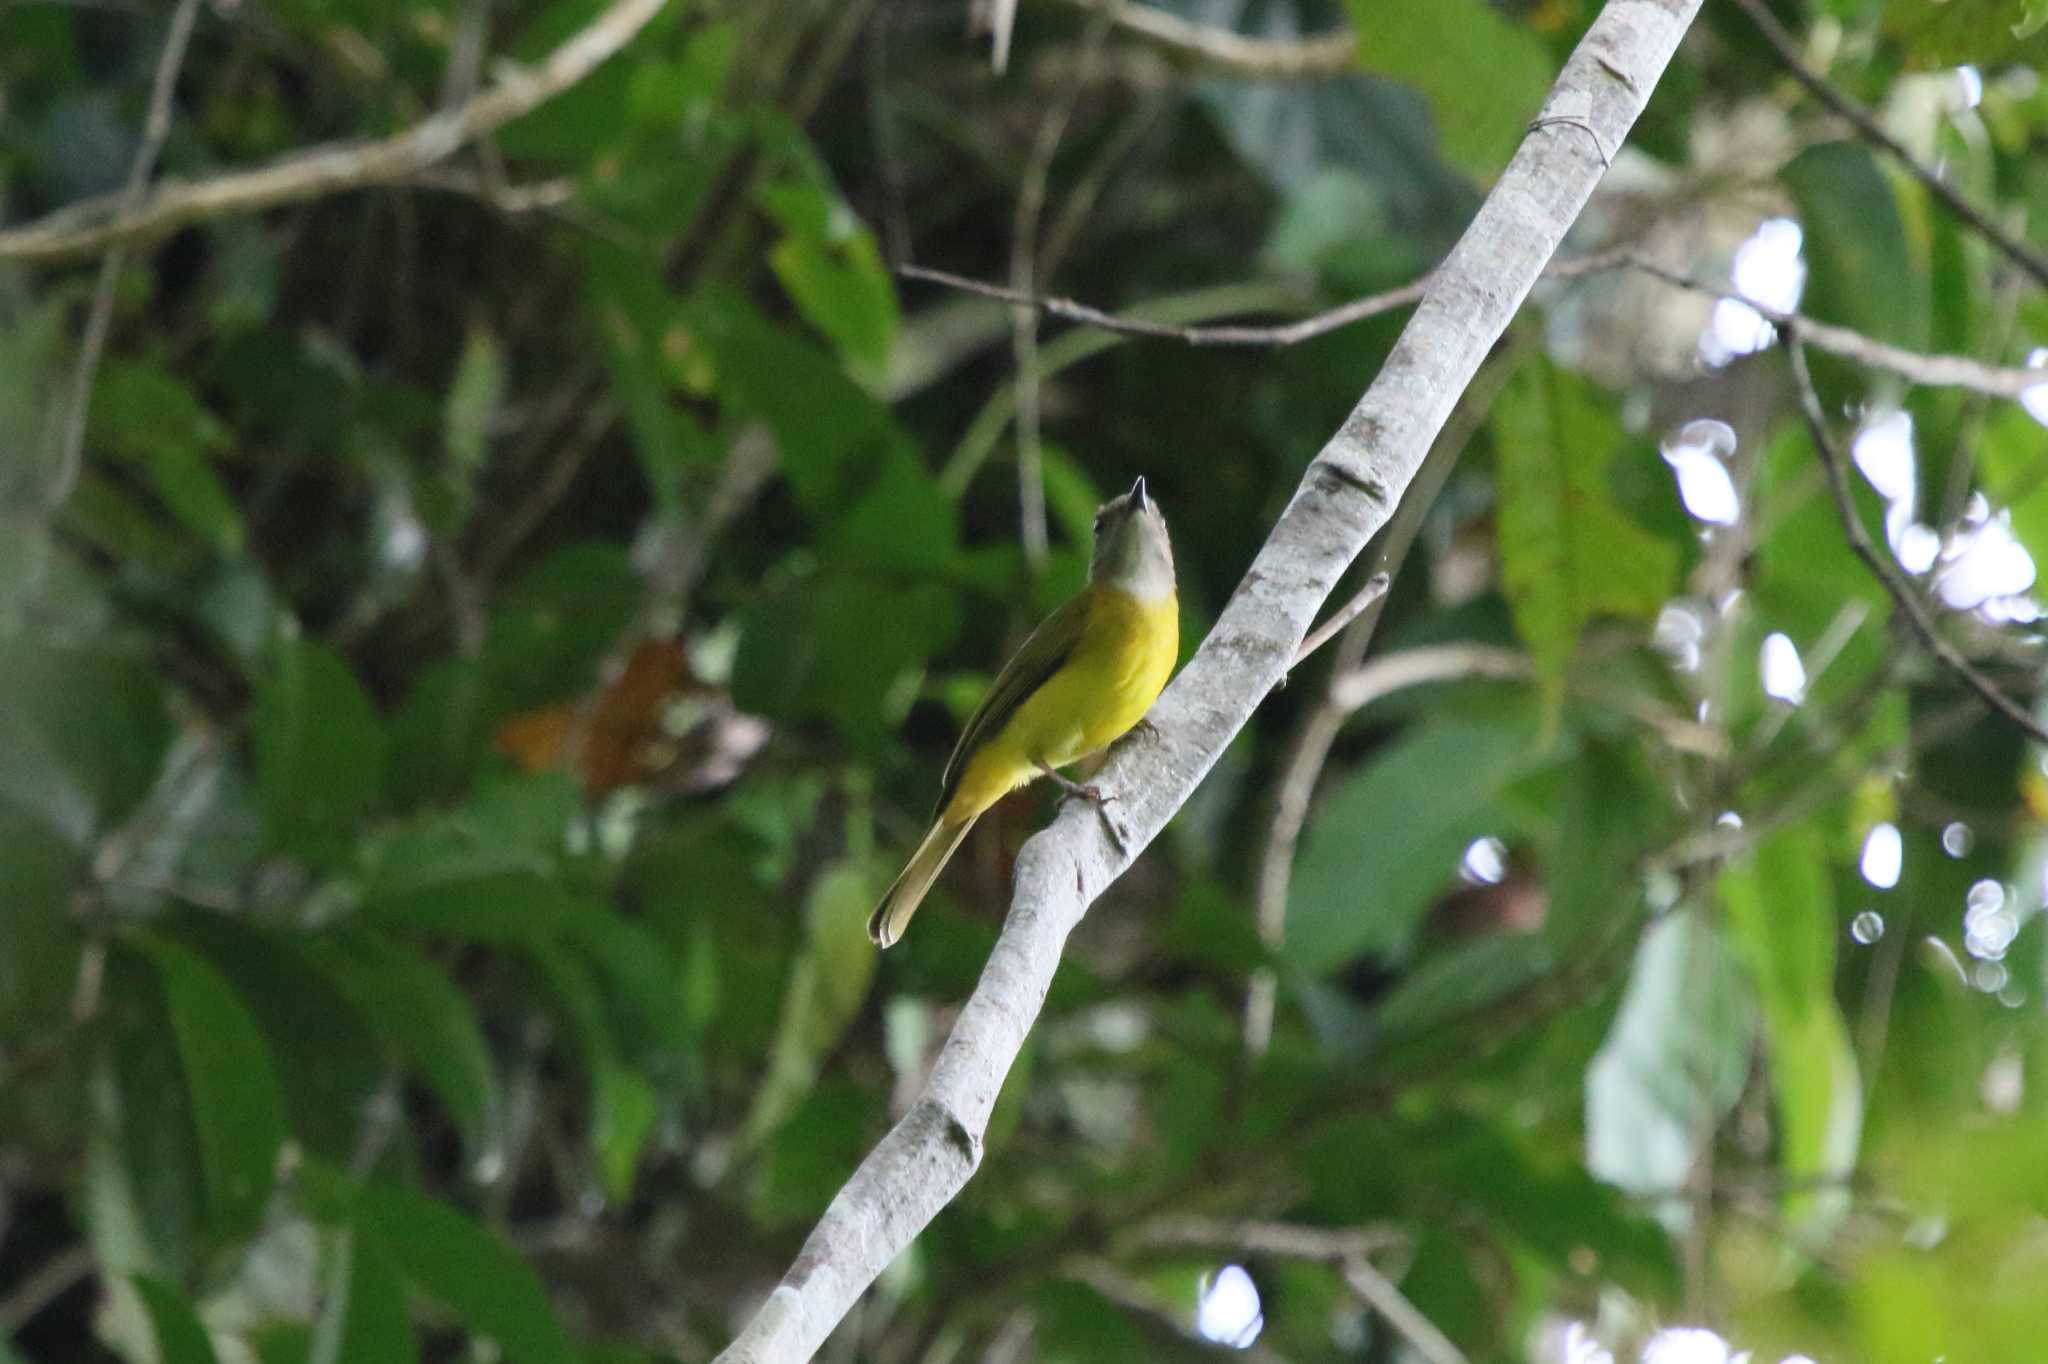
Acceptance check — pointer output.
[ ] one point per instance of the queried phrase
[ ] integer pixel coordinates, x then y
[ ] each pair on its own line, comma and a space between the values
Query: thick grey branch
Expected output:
95, 224
1348, 492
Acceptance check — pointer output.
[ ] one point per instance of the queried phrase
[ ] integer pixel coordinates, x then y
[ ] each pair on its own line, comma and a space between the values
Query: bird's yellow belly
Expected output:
1126, 653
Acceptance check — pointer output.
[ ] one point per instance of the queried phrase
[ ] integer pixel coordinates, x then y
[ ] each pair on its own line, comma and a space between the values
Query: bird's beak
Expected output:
1138, 493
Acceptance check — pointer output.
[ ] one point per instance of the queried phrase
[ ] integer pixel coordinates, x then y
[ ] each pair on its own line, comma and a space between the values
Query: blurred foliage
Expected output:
505, 629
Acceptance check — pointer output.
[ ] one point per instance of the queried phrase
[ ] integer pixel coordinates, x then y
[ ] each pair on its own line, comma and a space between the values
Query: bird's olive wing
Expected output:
1049, 646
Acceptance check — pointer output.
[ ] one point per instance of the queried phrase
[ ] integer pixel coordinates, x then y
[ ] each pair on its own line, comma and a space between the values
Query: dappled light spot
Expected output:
1227, 1308
1680, 631
1957, 840
1884, 852
1982, 560
1884, 455
1767, 270
1688, 1345
1697, 456
1485, 861
1784, 674
2035, 399
1989, 925
1969, 87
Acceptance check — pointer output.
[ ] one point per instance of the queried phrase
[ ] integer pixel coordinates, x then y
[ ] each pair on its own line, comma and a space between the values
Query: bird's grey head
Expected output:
1132, 550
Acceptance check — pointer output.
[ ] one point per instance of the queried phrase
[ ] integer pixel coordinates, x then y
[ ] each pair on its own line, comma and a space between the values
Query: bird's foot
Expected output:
1097, 797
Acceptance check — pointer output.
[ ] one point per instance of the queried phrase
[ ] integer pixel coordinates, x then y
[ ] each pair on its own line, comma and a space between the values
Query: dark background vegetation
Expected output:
505, 629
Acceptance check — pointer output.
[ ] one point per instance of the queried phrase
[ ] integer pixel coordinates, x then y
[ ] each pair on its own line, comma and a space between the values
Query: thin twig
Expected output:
1868, 128
1886, 572
1289, 1240
156, 128
1931, 371
96, 224
1324, 54
1375, 588
1379, 1293
50, 1280
1023, 275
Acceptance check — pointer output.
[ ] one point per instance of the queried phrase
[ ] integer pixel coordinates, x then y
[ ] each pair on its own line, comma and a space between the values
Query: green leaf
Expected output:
1675, 1058
828, 263
319, 752
38, 967
621, 1104
1363, 880
1569, 555
237, 1110
836, 648
180, 1339
143, 413
1987, 33
84, 731
1862, 270
363, 1315
827, 987
824, 423
474, 397
421, 1014
1781, 915
323, 1054
450, 1258
1481, 121
1611, 808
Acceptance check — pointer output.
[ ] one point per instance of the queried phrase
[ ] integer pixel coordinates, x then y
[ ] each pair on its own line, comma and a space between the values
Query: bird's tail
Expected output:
892, 916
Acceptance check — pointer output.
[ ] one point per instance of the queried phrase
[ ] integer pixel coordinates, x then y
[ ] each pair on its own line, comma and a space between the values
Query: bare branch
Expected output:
1881, 566
1375, 588
156, 128
96, 224
1290, 1240
1873, 132
1379, 1293
1931, 371
1349, 492
1327, 54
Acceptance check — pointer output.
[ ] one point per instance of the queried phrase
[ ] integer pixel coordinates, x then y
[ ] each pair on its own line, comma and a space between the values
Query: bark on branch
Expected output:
96, 224
1349, 491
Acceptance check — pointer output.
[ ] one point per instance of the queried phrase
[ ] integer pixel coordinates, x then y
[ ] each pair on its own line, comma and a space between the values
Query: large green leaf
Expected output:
180, 1338
237, 1109
1780, 907
1569, 555
1479, 122
830, 266
1986, 33
1611, 809
424, 1017
1863, 270
450, 1258
83, 730
827, 987
142, 412
1387, 841
1674, 1061
838, 648
319, 751
363, 1316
